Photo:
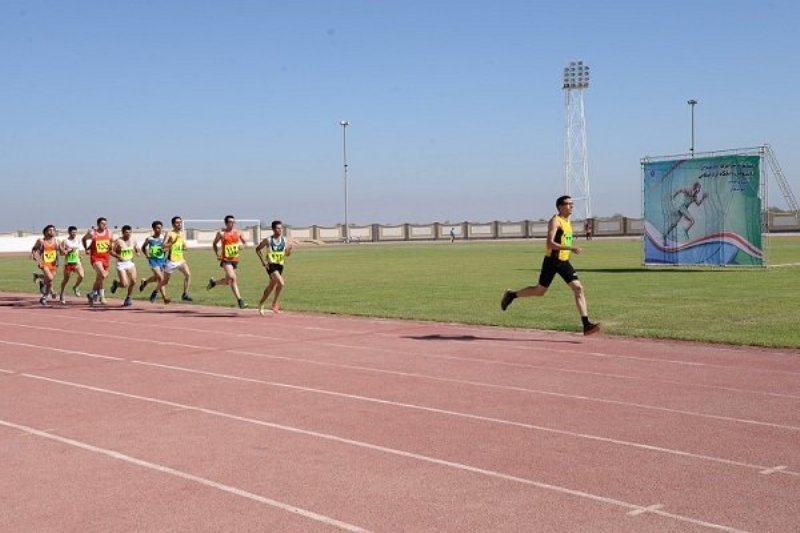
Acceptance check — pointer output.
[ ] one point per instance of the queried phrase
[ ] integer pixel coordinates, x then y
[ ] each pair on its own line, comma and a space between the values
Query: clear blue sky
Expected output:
143, 109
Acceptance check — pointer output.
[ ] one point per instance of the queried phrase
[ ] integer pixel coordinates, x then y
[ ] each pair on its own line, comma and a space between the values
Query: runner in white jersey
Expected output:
71, 249
123, 250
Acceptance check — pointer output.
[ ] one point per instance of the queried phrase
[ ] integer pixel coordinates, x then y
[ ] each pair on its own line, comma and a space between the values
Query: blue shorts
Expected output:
157, 263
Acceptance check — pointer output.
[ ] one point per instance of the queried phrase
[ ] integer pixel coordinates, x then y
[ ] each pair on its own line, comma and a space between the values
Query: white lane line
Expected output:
506, 387
522, 389
4, 371
108, 336
499, 363
500, 421
62, 350
648, 509
562, 370
533, 427
774, 469
185, 475
409, 455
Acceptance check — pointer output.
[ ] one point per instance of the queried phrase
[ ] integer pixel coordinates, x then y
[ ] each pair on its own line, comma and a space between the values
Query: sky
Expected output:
138, 110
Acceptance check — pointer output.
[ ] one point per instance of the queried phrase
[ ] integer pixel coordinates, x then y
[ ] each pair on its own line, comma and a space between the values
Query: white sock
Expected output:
102, 293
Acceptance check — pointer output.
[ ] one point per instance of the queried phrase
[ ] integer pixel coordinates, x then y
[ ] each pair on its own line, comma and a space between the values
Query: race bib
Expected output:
49, 256
126, 254
231, 250
72, 256
102, 247
156, 251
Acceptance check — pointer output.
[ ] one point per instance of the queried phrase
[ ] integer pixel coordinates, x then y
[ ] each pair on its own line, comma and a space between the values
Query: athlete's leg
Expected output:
81, 275
580, 296
279, 283
187, 277
64, 281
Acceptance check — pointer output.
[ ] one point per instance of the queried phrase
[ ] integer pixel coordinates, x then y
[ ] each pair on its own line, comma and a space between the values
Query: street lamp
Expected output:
692, 103
344, 124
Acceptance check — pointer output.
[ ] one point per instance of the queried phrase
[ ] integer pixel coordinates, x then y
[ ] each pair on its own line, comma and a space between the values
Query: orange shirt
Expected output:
231, 242
49, 254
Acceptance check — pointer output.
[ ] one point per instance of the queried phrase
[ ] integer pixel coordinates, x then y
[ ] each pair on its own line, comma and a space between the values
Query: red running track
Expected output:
189, 418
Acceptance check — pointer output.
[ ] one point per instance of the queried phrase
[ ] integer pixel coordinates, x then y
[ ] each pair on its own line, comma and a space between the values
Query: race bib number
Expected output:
72, 256
49, 256
126, 254
277, 257
102, 247
156, 251
231, 250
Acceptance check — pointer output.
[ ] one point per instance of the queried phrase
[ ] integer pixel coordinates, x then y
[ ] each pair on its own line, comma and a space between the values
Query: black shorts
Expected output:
551, 267
274, 267
234, 264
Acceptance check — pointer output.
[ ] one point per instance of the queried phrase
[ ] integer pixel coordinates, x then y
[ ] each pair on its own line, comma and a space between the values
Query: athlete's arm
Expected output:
113, 251
260, 247
241, 239
217, 238
145, 246
85, 239
36, 250
136, 249
289, 248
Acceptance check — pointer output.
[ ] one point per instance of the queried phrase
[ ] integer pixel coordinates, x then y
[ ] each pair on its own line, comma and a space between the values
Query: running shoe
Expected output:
76, 291
43, 301
242, 304
63, 300
142, 285
128, 302
261, 310
508, 297
211, 284
186, 298
167, 300
591, 329
114, 286
153, 297
275, 309
91, 297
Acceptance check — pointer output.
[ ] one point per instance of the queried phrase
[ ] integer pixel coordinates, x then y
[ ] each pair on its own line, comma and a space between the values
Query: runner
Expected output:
153, 249
277, 253
45, 253
71, 248
175, 245
232, 244
101, 239
556, 261
123, 250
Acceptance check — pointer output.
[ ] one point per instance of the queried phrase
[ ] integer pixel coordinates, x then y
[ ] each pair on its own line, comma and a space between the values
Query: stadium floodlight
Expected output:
692, 103
576, 167
344, 124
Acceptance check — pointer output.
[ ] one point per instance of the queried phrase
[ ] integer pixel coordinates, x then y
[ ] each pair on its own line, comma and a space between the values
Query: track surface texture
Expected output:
190, 418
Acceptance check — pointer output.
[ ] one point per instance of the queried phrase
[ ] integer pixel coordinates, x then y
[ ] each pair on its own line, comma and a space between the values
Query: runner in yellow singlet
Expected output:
123, 249
556, 261
175, 246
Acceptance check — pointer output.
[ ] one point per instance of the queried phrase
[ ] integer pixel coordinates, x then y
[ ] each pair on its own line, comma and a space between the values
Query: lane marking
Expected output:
524, 390
62, 350
503, 363
648, 509
782, 469
512, 346
567, 370
108, 336
470, 416
3, 371
406, 454
119, 456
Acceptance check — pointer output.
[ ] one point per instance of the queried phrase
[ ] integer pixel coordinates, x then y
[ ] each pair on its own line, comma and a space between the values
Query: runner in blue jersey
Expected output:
277, 251
153, 249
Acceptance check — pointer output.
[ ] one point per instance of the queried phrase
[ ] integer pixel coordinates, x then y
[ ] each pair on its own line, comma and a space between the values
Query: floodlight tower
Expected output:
344, 124
576, 165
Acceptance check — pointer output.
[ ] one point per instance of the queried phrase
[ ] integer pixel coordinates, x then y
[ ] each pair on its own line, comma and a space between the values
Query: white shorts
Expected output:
171, 266
124, 265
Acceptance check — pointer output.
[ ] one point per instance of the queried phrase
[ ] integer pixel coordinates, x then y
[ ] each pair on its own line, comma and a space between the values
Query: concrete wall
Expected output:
22, 241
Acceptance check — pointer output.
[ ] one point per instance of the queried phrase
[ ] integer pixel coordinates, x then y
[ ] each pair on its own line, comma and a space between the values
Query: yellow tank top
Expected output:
563, 237
176, 250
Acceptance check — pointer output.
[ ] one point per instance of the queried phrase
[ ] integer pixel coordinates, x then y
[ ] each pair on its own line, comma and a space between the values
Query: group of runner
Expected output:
165, 255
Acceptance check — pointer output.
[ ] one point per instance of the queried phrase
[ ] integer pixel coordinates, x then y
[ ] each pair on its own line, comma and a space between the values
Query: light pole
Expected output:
344, 124
692, 103
576, 164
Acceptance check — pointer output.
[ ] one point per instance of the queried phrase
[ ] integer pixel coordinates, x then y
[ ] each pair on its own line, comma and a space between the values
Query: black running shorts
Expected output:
551, 267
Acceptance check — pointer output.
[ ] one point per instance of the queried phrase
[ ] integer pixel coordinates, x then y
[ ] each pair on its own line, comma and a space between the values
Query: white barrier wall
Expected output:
481, 231
329, 234
392, 233
511, 229
302, 234
421, 232
361, 233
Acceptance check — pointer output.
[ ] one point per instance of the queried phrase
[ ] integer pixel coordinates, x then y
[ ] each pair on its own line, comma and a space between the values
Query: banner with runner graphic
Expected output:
703, 211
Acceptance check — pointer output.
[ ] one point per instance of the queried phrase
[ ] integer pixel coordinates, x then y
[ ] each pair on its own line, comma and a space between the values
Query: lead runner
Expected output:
556, 261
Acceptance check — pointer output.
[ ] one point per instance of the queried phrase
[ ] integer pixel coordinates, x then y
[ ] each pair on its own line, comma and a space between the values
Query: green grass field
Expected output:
463, 283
